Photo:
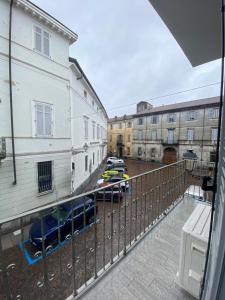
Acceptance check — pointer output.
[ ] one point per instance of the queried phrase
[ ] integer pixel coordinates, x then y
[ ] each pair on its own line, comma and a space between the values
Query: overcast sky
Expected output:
129, 55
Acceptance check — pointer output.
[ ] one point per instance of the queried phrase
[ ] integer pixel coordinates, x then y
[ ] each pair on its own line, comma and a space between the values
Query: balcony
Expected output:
152, 206
171, 142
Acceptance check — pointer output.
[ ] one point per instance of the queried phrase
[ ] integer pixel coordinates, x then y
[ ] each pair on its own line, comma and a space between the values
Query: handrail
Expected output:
63, 201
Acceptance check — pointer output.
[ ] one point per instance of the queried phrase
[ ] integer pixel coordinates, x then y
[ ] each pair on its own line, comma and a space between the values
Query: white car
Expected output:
114, 160
195, 191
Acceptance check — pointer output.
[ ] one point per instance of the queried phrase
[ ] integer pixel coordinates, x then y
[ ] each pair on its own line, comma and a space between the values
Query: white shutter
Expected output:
48, 120
37, 38
39, 119
46, 48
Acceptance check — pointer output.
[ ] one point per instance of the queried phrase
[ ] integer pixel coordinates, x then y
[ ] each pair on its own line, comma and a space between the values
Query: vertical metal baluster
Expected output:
159, 196
111, 227
73, 233
145, 196
95, 244
104, 229
125, 225
59, 242
118, 250
44, 259
23, 263
85, 245
136, 198
141, 200
131, 204
4, 270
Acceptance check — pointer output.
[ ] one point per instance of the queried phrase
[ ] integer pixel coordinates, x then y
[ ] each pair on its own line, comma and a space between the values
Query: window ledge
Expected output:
45, 193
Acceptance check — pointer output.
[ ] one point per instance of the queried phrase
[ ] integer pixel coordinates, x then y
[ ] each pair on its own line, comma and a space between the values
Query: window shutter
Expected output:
46, 39
48, 120
39, 119
37, 38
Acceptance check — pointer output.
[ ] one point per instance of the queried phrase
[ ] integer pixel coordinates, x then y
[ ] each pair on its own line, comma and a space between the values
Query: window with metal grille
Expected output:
44, 176
139, 151
214, 113
41, 40
213, 156
86, 163
171, 118
43, 119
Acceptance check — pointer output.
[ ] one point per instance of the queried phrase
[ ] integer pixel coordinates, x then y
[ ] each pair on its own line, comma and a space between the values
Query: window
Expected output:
93, 130
93, 158
191, 115
110, 138
111, 126
44, 176
139, 151
98, 132
213, 156
214, 133
86, 127
41, 40
170, 138
190, 134
140, 121
155, 119
85, 94
171, 118
140, 135
128, 138
154, 134
129, 125
128, 150
214, 113
120, 125
86, 163
153, 152
43, 119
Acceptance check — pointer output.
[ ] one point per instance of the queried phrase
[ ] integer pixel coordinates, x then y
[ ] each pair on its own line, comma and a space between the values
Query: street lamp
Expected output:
191, 159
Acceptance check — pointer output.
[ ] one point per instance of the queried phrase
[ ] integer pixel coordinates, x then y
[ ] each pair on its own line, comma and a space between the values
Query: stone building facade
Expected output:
120, 136
164, 133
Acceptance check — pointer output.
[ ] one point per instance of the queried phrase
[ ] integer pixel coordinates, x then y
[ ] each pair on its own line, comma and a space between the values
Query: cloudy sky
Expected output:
129, 55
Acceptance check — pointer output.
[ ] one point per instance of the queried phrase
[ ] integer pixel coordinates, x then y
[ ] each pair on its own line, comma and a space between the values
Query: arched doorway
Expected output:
170, 156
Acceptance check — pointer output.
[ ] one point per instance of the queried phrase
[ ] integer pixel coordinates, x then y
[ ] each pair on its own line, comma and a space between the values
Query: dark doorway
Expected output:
170, 156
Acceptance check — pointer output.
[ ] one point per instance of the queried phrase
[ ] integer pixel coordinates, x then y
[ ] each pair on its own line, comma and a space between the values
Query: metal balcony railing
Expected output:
101, 227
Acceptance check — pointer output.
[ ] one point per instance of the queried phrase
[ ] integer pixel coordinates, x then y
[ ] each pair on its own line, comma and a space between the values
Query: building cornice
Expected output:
45, 18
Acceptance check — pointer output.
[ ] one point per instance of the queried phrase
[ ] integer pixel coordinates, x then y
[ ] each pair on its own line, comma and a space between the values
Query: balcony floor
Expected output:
149, 270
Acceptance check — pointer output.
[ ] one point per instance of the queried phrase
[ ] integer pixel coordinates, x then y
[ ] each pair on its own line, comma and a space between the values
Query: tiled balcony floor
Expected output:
149, 270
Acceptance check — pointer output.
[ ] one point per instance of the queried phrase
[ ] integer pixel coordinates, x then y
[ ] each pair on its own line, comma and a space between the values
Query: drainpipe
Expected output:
10, 91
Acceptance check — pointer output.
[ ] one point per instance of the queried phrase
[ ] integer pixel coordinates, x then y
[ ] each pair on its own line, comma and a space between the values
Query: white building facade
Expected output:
43, 108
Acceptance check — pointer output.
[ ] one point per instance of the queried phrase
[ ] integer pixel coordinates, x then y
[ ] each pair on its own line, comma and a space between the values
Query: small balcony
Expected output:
134, 225
168, 141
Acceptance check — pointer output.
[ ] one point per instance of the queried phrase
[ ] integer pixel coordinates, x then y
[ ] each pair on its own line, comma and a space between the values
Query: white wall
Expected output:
81, 107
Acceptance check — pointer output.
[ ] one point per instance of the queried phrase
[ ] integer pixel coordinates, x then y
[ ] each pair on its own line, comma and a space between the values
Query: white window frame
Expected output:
86, 125
171, 118
214, 113
214, 135
191, 115
154, 138
34, 113
43, 30
190, 134
93, 130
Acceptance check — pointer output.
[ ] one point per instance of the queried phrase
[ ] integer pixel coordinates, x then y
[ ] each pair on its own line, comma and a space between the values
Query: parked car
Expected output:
117, 165
109, 173
114, 193
61, 219
113, 159
113, 179
196, 192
